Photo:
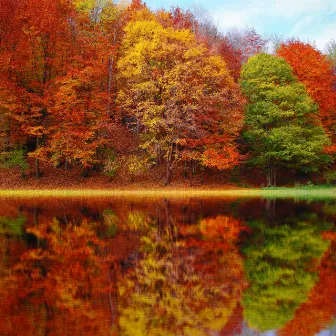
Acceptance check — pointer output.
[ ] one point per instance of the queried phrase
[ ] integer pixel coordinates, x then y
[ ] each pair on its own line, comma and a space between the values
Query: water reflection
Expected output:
281, 264
167, 267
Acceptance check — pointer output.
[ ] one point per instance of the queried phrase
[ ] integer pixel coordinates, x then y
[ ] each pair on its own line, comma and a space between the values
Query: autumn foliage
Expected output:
74, 72
315, 71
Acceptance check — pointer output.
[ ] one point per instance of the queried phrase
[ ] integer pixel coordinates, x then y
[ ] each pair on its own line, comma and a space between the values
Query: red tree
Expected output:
314, 70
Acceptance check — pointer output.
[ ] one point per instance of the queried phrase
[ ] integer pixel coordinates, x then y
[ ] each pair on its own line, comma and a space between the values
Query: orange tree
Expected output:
315, 71
33, 37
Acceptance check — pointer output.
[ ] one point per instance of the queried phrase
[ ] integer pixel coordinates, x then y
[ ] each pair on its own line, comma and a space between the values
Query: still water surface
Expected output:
167, 267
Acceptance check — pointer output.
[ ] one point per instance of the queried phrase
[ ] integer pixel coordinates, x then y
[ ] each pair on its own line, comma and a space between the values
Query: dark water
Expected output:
167, 267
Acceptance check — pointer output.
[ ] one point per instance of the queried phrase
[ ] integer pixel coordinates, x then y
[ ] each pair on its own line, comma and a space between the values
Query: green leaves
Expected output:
12, 226
281, 123
278, 266
14, 158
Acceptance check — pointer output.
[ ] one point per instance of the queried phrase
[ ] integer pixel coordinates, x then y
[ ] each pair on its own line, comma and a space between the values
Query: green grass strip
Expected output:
312, 194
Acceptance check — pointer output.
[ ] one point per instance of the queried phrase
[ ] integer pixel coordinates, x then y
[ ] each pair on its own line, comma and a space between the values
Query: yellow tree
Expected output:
175, 95
187, 280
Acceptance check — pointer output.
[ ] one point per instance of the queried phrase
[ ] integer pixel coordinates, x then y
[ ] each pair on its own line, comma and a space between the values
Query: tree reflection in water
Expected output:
200, 267
188, 281
281, 264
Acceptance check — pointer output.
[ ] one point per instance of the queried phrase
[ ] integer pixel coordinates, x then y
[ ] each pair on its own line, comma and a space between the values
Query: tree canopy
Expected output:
114, 88
282, 125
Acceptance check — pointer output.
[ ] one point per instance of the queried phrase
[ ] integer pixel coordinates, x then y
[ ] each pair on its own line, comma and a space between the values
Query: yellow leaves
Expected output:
137, 32
175, 90
41, 153
87, 5
219, 64
144, 40
35, 130
110, 12
143, 14
138, 325
182, 142
194, 52
147, 41
136, 221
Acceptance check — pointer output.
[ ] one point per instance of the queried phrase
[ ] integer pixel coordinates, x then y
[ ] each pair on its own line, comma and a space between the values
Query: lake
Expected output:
192, 266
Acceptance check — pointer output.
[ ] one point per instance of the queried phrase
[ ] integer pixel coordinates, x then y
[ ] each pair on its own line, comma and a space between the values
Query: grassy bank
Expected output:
314, 193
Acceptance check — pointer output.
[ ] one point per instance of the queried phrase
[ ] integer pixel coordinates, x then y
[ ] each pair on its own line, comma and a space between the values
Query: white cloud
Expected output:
307, 20
286, 9
228, 19
328, 33
292, 8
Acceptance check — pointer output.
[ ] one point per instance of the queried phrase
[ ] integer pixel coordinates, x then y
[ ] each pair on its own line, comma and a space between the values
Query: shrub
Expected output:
330, 177
137, 165
14, 159
111, 166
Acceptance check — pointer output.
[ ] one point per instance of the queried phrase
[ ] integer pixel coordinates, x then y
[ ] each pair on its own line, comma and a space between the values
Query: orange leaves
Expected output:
213, 151
77, 108
35, 130
318, 312
66, 276
223, 227
330, 149
221, 156
314, 70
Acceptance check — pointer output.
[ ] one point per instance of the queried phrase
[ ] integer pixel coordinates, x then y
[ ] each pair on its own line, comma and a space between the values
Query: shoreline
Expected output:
172, 193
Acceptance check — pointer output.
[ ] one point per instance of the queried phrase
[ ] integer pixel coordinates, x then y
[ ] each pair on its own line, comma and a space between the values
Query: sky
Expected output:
308, 20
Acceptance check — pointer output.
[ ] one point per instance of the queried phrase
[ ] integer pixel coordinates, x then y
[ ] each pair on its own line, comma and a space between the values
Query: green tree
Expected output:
282, 128
282, 267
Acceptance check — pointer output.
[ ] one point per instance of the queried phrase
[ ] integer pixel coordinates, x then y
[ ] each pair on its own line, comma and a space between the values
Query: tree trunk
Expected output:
192, 172
37, 161
185, 171
193, 162
109, 84
158, 154
271, 175
111, 61
169, 165
274, 176
168, 173
7, 141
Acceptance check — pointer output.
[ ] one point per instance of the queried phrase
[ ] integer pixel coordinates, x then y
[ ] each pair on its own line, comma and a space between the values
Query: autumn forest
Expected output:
120, 93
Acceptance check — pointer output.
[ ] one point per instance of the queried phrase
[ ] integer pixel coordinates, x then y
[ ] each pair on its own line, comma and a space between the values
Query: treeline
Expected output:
109, 86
